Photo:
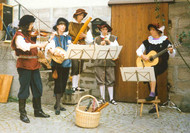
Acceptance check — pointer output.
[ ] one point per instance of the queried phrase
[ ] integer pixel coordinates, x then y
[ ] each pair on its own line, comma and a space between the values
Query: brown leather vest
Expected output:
25, 63
74, 29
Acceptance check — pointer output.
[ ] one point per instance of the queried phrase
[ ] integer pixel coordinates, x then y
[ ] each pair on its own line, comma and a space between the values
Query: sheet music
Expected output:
118, 51
107, 52
145, 74
76, 51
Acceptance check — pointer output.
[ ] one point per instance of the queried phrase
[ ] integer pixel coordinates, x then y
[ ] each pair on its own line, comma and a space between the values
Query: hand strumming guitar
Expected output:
171, 50
58, 54
55, 53
144, 57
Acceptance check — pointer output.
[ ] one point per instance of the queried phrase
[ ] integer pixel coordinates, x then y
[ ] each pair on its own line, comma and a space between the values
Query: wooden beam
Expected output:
120, 2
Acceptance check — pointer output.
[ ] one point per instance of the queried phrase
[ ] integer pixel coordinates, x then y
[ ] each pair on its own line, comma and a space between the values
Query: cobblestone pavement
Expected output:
114, 119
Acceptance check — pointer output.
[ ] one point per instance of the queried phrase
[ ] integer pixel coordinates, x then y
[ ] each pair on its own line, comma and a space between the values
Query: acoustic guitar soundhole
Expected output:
151, 59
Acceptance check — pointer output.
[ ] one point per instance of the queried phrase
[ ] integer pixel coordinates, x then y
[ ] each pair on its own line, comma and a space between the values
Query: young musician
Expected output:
104, 69
157, 42
85, 37
28, 67
61, 39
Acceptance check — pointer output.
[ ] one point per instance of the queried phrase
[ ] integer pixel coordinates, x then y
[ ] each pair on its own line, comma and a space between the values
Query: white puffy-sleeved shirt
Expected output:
153, 41
22, 44
52, 45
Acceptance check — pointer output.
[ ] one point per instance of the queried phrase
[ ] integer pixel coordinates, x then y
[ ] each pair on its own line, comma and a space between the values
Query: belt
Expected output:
28, 57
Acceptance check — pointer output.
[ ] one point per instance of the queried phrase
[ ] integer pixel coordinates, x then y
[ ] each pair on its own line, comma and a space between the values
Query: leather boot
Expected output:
38, 112
23, 114
58, 106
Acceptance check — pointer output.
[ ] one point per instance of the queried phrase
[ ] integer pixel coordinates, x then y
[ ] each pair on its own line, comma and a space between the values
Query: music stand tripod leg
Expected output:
136, 114
137, 91
141, 109
170, 104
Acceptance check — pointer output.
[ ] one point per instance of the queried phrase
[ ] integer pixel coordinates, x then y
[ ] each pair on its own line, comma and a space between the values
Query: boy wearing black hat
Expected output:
61, 39
85, 37
28, 67
104, 70
157, 42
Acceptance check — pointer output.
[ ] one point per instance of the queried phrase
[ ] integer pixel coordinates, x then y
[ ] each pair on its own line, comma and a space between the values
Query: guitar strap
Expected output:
60, 44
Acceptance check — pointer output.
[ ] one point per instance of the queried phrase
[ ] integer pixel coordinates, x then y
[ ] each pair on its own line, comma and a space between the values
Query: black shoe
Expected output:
70, 91
61, 109
24, 118
101, 101
149, 98
73, 89
40, 113
113, 102
153, 110
57, 112
79, 89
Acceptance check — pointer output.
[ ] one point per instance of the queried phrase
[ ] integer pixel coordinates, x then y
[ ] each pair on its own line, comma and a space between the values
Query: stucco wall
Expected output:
179, 74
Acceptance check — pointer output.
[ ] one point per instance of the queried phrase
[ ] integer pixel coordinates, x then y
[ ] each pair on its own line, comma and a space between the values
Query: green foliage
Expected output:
183, 35
15, 99
28, 101
157, 8
12, 99
157, 13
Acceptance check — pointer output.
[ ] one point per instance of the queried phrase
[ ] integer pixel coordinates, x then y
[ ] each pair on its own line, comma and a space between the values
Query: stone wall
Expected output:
49, 16
8, 66
179, 74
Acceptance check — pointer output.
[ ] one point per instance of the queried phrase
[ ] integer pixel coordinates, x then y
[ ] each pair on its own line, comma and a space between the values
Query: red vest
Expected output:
30, 64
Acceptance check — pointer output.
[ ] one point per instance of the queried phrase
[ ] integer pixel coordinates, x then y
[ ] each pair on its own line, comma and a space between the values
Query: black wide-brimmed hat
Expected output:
26, 20
61, 21
80, 11
104, 24
155, 26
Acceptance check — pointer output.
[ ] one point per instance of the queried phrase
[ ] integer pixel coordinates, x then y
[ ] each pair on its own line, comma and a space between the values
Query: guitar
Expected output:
58, 59
153, 57
43, 60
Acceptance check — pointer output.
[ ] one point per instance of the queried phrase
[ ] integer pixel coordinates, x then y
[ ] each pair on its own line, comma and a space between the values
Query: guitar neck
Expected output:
160, 53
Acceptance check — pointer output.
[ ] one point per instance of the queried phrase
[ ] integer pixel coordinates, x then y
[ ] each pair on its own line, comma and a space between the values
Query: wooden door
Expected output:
129, 23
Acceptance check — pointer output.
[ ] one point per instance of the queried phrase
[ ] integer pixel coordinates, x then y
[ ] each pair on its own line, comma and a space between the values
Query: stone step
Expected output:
75, 97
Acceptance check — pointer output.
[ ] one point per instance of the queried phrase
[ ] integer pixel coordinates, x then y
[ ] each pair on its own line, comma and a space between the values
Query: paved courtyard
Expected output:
114, 119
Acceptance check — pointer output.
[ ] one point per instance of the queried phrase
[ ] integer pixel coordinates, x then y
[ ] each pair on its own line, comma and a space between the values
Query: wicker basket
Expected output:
87, 119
